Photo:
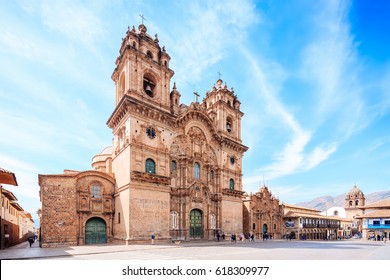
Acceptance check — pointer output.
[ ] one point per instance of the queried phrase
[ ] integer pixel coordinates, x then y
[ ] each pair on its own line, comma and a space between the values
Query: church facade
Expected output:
174, 171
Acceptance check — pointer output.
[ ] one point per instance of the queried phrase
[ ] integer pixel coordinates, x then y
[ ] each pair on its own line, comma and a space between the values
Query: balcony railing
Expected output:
371, 226
312, 225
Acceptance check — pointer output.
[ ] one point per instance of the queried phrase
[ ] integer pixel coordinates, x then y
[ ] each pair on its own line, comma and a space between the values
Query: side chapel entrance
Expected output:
95, 231
196, 224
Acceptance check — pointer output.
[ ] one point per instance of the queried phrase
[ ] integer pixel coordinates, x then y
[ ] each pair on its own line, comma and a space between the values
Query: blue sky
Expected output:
313, 78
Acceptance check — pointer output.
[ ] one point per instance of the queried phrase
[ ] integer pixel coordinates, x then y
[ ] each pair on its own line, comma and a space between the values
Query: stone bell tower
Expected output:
141, 128
354, 200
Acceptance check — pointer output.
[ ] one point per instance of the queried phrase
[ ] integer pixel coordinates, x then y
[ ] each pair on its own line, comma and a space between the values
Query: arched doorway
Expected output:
95, 231
265, 229
196, 224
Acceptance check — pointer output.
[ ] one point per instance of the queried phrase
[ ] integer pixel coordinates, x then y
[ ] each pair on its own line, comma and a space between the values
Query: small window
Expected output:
350, 203
231, 184
196, 170
96, 191
376, 223
119, 217
356, 202
211, 175
254, 226
150, 166
173, 165
149, 54
387, 222
229, 124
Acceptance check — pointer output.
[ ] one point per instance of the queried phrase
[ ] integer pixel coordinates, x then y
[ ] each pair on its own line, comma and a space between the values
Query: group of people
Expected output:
378, 238
234, 237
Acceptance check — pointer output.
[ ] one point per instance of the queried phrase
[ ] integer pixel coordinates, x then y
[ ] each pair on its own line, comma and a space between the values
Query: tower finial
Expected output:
197, 95
143, 18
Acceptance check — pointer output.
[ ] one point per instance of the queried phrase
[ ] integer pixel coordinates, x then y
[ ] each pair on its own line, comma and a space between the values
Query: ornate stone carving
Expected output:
151, 178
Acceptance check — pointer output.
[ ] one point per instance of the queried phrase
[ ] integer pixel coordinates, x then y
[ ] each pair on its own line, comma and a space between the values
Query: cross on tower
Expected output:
197, 95
143, 18
219, 75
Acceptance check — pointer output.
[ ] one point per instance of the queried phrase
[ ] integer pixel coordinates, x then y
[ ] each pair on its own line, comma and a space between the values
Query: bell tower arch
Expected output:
142, 69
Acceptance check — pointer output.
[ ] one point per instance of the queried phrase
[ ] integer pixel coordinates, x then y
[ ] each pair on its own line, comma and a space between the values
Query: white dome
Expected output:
106, 151
335, 211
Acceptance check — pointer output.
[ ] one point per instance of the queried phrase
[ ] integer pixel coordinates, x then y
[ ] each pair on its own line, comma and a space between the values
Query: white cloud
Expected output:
78, 22
210, 29
330, 64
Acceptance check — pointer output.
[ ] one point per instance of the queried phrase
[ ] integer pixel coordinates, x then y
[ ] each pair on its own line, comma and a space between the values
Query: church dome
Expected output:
106, 151
355, 191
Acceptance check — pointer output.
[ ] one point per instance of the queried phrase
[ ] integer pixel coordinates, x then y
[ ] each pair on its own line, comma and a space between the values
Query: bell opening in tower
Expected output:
149, 87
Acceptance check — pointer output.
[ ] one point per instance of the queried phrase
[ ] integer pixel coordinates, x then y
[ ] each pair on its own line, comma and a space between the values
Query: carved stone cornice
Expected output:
129, 104
234, 193
150, 178
180, 192
233, 145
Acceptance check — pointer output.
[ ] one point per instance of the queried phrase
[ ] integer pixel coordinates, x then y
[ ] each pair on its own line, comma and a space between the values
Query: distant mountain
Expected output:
325, 202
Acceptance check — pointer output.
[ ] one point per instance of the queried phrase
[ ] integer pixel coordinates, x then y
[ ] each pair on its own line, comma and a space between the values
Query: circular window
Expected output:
232, 160
151, 132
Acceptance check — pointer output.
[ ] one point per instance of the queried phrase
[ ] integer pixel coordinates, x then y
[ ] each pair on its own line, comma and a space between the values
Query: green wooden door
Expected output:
196, 224
95, 231
265, 229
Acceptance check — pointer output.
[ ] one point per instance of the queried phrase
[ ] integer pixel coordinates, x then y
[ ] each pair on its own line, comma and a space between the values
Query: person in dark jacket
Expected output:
30, 240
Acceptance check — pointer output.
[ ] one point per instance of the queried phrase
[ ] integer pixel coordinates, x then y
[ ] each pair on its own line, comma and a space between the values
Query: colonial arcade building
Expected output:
173, 171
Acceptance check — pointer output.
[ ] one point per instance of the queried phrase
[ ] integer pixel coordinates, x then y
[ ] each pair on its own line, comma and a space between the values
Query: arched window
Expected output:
229, 124
150, 166
96, 191
196, 170
211, 175
149, 85
149, 54
357, 202
121, 89
350, 203
173, 165
231, 184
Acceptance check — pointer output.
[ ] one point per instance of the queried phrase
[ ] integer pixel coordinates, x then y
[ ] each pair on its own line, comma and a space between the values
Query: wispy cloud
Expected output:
330, 65
77, 21
209, 30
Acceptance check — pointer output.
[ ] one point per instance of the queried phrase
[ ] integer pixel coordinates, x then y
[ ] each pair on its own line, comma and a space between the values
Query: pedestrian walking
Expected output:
152, 237
30, 240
